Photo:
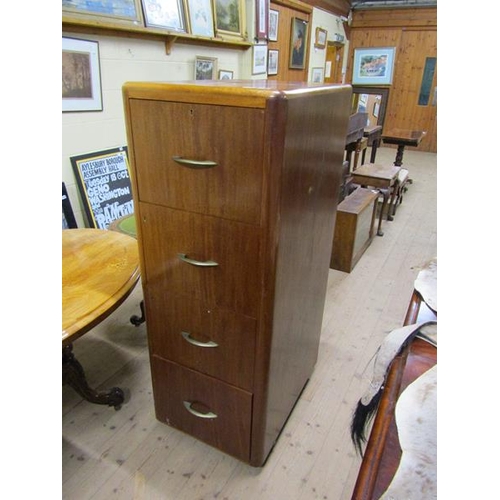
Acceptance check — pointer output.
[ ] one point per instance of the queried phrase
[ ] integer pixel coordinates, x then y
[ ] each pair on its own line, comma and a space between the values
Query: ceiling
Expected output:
379, 4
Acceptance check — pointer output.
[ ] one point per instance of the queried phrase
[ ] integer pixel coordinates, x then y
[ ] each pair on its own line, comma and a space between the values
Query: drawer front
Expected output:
217, 342
231, 137
228, 276
204, 407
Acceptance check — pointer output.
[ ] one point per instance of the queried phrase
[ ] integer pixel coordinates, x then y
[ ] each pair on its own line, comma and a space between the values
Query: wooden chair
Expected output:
355, 132
126, 225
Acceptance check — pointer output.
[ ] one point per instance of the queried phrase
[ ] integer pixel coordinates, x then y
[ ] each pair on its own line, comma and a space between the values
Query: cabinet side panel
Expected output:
312, 164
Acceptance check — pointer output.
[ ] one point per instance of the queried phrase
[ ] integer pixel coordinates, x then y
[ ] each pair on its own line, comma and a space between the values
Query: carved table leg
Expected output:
385, 194
74, 376
399, 155
136, 320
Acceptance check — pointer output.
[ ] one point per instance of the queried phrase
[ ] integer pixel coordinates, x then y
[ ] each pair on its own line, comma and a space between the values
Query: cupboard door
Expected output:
198, 159
206, 408
212, 260
217, 342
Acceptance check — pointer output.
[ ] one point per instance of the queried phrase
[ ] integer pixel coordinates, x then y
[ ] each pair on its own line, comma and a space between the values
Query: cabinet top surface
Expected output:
244, 89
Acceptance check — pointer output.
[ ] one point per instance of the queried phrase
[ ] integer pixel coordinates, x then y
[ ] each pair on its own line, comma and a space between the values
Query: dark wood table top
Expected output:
376, 171
373, 130
403, 136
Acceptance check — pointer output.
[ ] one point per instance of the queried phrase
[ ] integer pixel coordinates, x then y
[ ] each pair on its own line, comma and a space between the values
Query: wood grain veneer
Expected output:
265, 213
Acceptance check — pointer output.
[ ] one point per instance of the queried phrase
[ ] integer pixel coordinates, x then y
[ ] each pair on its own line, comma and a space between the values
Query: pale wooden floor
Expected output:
127, 454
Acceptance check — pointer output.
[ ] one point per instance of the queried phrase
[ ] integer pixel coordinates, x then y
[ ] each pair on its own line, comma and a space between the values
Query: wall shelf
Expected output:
74, 25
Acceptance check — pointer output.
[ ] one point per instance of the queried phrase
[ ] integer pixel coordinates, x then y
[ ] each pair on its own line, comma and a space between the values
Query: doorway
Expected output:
333, 62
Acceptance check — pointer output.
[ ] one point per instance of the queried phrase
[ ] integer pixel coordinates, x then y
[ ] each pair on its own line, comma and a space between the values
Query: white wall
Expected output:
122, 60
333, 25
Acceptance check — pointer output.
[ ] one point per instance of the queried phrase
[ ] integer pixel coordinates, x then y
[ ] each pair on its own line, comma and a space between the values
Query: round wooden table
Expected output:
100, 269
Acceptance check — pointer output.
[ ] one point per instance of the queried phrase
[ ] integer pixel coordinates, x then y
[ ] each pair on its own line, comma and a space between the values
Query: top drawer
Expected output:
230, 137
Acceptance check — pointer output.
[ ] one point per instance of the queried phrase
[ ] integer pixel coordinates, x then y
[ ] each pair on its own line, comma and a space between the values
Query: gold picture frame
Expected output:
320, 38
229, 19
122, 12
165, 14
205, 68
298, 43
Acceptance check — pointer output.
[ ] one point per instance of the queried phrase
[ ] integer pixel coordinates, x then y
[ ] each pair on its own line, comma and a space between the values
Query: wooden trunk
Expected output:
235, 188
354, 228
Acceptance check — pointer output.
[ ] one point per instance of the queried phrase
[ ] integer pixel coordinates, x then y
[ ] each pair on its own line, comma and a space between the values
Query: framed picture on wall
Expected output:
115, 11
259, 60
201, 19
373, 66
205, 68
167, 14
261, 19
298, 43
103, 180
81, 76
274, 16
320, 39
272, 62
68, 217
318, 75
225, 74
229, 18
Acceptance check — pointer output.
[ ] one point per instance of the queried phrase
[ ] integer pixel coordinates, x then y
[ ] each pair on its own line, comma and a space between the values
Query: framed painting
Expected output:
205, 68
262, 19
320, 39
81, 76
229, 18
298, 43
272, 62
103, 179
373, 66
166, 14
318, 75
112, 11
259, 60
224, 74
201, 18
274, 16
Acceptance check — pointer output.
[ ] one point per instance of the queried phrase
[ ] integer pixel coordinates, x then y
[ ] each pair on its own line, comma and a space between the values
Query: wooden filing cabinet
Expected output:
354, 228
235, 187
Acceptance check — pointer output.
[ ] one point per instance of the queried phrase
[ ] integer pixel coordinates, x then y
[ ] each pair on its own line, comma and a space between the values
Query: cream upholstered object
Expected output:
416, 420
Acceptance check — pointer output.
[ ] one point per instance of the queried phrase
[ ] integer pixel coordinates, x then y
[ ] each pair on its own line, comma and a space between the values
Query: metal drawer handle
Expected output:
187, 405
186, 162
199, 263
188, 338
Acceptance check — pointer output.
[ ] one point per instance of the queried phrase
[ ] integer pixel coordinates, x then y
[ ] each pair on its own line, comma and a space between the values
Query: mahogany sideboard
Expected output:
235, 186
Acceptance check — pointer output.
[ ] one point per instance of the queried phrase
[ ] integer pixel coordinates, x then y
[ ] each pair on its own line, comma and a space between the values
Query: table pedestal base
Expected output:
74, 376
139, 320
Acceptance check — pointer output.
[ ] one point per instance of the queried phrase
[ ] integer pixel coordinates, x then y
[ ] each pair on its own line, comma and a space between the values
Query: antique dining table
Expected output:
100, 269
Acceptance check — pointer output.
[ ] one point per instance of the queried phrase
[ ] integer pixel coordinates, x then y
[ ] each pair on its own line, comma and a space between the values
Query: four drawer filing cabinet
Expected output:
235, 187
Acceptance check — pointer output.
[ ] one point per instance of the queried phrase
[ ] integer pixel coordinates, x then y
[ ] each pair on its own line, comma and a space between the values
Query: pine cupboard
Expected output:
235, 188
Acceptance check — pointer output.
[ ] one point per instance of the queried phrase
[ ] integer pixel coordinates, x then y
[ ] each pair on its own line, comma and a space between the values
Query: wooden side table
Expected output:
381, 177
402, 138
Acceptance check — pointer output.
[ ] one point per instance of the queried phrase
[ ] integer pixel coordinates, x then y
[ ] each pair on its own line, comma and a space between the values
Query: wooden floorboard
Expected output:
128, 454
